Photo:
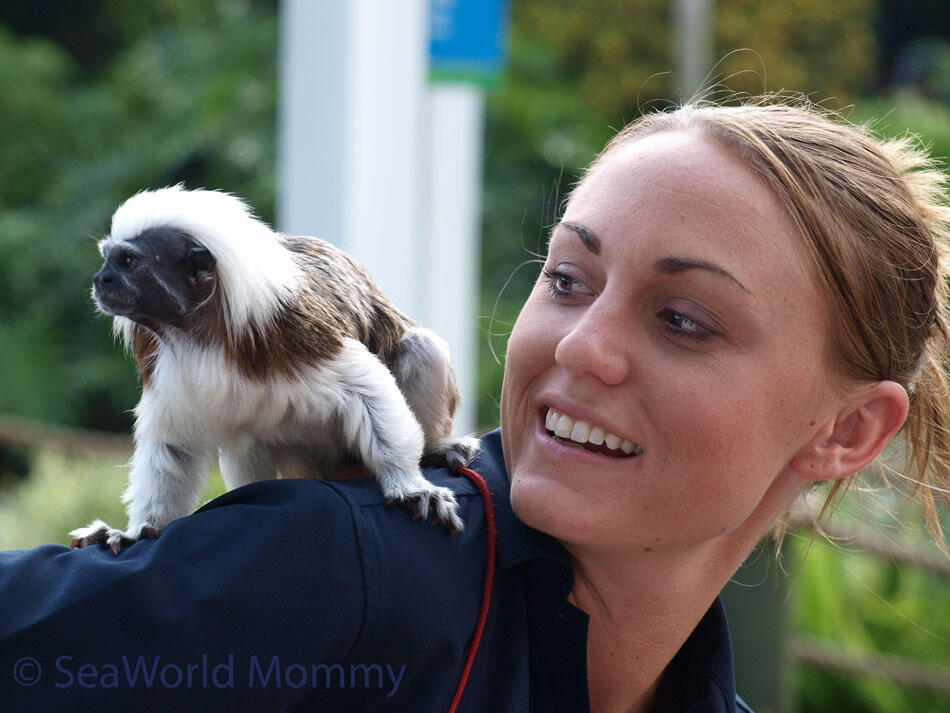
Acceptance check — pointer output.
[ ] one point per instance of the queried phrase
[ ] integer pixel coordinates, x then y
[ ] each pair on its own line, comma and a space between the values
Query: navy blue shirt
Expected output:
306, 595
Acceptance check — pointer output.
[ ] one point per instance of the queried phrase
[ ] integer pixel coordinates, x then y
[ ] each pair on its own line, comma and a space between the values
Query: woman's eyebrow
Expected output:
671, 265
591, 241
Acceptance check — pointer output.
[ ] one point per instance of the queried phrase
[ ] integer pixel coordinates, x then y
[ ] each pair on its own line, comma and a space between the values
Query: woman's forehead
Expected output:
682, 191
677, 165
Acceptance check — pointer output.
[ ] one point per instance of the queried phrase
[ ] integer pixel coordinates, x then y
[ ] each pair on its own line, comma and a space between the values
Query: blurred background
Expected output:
102, 98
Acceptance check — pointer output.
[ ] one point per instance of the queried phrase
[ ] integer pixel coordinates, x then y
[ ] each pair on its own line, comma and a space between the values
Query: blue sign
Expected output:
467, 39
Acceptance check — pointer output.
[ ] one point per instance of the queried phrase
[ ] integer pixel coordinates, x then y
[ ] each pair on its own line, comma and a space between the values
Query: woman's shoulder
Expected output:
327, 537
256, 577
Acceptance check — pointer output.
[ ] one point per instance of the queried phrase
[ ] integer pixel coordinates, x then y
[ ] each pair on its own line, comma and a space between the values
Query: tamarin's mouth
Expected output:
112, 304
591, 438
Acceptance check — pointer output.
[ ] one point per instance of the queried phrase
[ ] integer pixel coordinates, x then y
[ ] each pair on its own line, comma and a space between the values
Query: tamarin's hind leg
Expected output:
423, 371
378, 427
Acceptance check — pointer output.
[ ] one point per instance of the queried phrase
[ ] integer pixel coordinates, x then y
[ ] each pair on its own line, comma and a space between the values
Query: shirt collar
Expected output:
705, 660
517, 543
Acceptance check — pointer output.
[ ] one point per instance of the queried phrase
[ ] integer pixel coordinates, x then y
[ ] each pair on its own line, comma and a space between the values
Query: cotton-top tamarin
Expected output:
277, 354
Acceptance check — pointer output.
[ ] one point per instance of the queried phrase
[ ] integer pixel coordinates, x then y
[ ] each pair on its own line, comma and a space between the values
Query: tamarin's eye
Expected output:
128, 262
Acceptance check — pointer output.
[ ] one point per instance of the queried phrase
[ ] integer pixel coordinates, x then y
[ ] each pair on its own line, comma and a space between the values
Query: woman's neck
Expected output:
644, 605
640, 615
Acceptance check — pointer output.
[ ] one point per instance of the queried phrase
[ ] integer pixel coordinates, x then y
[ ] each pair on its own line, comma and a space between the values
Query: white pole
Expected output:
374, 161
456, 118
351, 142
311, 128
386, 113
693, 43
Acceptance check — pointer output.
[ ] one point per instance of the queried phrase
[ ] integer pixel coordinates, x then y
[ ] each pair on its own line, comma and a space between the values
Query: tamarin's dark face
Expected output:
157, 278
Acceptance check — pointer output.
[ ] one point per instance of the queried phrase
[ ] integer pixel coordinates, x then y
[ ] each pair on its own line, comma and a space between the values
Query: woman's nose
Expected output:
595, 346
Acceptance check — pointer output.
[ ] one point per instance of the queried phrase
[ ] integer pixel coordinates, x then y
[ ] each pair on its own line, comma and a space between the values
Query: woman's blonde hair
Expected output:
874, 214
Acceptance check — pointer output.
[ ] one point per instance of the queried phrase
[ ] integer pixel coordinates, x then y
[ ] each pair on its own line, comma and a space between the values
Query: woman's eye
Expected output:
681, 325
562, 285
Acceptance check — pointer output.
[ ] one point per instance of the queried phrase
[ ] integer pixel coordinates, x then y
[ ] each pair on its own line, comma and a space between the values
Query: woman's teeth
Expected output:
581, 432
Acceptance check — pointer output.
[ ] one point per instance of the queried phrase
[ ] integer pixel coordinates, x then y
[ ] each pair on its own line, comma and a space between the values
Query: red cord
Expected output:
492, 533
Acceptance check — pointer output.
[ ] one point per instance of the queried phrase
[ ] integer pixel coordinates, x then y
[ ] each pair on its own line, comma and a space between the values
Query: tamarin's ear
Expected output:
201, 259
856, 435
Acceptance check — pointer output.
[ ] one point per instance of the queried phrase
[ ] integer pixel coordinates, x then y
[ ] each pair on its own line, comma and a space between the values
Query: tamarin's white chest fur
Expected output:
276, 354
195, 394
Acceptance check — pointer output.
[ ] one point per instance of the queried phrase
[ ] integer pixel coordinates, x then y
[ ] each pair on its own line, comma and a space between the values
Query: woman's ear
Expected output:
859, 431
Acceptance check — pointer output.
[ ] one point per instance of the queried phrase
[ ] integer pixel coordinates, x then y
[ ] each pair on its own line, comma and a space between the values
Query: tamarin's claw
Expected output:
451, 530
99, 533
454, 453
438, 501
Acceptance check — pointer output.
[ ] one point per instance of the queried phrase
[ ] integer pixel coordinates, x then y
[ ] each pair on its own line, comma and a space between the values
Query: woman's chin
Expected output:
551, 507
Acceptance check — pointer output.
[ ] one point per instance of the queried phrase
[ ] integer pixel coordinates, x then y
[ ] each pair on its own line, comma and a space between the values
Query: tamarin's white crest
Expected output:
276, 354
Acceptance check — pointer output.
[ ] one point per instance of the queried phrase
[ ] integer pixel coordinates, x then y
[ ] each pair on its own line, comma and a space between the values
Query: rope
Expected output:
492, 534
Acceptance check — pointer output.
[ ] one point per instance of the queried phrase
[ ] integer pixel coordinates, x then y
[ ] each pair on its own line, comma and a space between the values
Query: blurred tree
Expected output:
94, 31
615, 54
900, 22
823, 48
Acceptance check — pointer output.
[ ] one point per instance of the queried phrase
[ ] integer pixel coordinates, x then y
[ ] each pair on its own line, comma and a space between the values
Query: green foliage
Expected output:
35, 74
616, 55
61, 493
495, 321
66, 491
822, 48
867, 604
603, 52
906, 112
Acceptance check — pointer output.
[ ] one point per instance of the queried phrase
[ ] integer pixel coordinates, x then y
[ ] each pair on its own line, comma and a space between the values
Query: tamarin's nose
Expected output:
103, 277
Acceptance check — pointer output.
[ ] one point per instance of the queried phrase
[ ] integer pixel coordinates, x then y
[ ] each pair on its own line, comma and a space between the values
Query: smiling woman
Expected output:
738, 302
749, 299
648, 337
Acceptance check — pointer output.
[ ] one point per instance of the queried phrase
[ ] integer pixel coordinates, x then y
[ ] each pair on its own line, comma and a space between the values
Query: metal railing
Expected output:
824, 654
36, 434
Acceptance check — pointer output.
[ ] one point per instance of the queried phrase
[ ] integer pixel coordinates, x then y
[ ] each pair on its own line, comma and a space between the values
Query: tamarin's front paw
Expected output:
425, 499
99, 533
456, 453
